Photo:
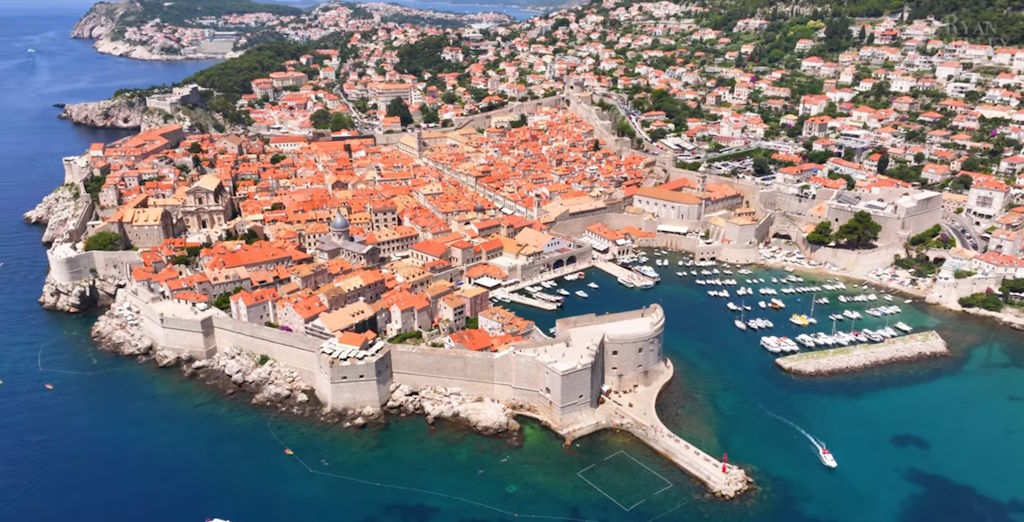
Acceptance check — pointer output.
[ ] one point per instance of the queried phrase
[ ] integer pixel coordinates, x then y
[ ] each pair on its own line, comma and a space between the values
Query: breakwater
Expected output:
842, 360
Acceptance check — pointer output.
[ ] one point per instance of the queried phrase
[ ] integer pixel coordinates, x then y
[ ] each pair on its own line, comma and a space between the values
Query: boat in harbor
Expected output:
562, 291
799, 320
592, 285
647, 271
740, 324
645, 284
581, 293
903, 327
626, 282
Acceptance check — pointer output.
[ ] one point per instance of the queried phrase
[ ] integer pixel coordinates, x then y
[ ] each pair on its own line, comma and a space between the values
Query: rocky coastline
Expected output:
913, 347
59, 211
121, 112
269, 384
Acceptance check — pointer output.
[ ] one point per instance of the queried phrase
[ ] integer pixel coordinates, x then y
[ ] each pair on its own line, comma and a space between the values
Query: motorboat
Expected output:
581, 293
903, 327
592, 285
826, 457
562, 291
626, 282
740, 324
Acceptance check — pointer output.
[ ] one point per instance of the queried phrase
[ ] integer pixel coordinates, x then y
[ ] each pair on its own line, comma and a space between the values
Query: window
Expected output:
615, 353
640, 350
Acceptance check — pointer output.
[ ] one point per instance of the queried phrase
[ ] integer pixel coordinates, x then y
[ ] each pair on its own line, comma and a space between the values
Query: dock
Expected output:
617, 271
529, 301
912, 347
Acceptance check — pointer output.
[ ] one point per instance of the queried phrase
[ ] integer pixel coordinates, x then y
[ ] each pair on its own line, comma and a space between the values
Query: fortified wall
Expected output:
560, 377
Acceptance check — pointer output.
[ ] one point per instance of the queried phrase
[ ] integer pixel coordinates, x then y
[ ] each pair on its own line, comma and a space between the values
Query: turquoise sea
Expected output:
114, 440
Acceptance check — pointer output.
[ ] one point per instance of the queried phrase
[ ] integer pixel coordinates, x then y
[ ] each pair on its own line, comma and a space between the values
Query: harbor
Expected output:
850, 359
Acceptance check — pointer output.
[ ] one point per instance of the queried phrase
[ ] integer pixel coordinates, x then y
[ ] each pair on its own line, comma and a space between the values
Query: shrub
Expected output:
103, 241
985, 300
963, 274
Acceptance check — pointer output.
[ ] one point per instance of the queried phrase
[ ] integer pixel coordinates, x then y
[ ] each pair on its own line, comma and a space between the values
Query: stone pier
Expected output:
618, 271
854, 358
636, 413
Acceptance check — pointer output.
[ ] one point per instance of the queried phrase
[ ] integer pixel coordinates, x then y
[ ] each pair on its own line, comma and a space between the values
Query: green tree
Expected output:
103, 241
277, 158
883, 163
821, 235
860, 231
397, 107
341, 121
321, 118
429, 115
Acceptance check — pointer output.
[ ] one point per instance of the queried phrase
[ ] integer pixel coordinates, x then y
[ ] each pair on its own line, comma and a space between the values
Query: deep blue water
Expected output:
114, 440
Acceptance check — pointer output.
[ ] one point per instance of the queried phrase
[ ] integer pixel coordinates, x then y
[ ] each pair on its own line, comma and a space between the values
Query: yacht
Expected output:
805, 340
645, 284
740, 324
903, 326
581, 293
646, 270
562, 291
771, 343
732, 307
625, 282
826, 457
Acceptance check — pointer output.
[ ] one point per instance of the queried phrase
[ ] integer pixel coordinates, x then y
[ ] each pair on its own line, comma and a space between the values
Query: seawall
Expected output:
855, 358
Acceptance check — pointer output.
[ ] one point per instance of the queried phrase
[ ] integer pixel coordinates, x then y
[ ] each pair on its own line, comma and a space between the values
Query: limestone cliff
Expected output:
121, 112
59, 211
101, 19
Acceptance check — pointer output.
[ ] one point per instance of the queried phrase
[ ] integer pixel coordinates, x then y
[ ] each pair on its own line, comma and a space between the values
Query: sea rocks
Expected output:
59, 211
113, 333
69, 297
269, 381
485, 416
121, 112
165, 358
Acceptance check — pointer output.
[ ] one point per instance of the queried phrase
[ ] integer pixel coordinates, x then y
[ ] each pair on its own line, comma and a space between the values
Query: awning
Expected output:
673, 229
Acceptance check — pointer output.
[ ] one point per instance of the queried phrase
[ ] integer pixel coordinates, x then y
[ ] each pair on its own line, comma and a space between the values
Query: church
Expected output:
340, 243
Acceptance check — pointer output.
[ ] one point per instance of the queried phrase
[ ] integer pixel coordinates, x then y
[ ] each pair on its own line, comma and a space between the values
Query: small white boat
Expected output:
562, 291
581, 293
592, 285
904, 327
740, 324
626, 282
826, 457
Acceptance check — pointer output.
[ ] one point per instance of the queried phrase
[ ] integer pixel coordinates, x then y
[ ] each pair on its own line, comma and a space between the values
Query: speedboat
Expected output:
826, 457
762, 305
592, 285
562, 291
903, 326
581, 293
625, 282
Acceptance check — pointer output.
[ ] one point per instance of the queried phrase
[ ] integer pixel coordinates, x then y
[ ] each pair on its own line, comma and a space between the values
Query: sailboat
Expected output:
739, 322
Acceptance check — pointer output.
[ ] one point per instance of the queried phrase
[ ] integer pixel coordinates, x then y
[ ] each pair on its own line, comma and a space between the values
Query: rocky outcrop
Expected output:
268, 380
122, 112
113, 333
485, 416
80, 295
60, 211
101, 19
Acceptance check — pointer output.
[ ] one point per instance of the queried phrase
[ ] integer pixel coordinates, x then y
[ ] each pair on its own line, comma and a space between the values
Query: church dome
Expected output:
339, 224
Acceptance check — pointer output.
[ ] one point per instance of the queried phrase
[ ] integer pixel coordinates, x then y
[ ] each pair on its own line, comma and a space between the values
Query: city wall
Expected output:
85, 265
521, 375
